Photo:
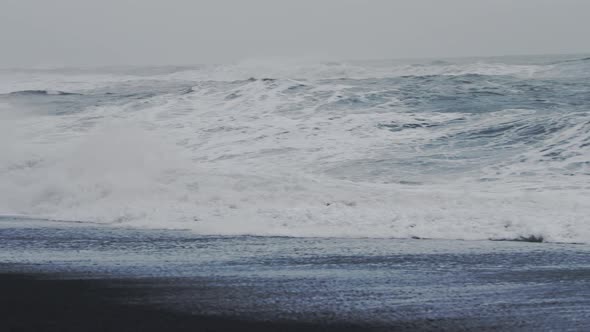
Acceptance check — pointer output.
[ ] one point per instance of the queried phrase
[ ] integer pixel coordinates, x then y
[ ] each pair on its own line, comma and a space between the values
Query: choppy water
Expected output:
485, 148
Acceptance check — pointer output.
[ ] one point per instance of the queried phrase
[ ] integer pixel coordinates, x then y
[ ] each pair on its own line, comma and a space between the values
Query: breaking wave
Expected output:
470, 149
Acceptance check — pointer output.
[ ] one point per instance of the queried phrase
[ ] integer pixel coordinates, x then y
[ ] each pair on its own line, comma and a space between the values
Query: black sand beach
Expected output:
49, 303
45, 302
42, 303
58, 277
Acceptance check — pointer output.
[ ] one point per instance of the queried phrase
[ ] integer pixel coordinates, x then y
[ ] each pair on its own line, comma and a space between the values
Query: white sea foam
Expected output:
295, 157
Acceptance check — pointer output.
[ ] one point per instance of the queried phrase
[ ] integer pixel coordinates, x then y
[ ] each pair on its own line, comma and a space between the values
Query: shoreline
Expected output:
62, 278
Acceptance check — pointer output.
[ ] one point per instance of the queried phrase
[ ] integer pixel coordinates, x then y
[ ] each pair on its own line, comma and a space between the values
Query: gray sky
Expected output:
102, 32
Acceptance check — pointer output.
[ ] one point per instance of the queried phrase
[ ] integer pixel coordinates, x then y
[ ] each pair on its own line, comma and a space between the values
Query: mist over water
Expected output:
484, 148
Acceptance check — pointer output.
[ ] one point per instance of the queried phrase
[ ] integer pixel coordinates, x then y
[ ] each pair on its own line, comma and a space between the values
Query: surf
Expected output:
456, 149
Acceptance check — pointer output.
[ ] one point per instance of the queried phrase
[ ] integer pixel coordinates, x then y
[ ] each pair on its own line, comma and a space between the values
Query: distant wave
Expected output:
42, 93
572, 60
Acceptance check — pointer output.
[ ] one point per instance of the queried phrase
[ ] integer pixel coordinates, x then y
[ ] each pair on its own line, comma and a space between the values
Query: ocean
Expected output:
470, 149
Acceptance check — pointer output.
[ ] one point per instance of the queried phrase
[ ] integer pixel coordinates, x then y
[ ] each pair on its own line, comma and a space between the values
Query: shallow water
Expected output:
460, 285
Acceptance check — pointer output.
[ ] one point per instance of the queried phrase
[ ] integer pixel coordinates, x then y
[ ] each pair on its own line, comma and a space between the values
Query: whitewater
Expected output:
473, 149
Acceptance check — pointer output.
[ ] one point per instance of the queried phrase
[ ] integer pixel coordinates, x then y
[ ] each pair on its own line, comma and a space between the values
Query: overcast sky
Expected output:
102, 32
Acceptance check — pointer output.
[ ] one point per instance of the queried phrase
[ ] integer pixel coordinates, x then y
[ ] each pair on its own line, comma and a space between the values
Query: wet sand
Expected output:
57, 277
49, 303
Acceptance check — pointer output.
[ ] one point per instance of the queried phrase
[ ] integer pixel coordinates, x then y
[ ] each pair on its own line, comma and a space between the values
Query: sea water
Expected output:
477, 149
